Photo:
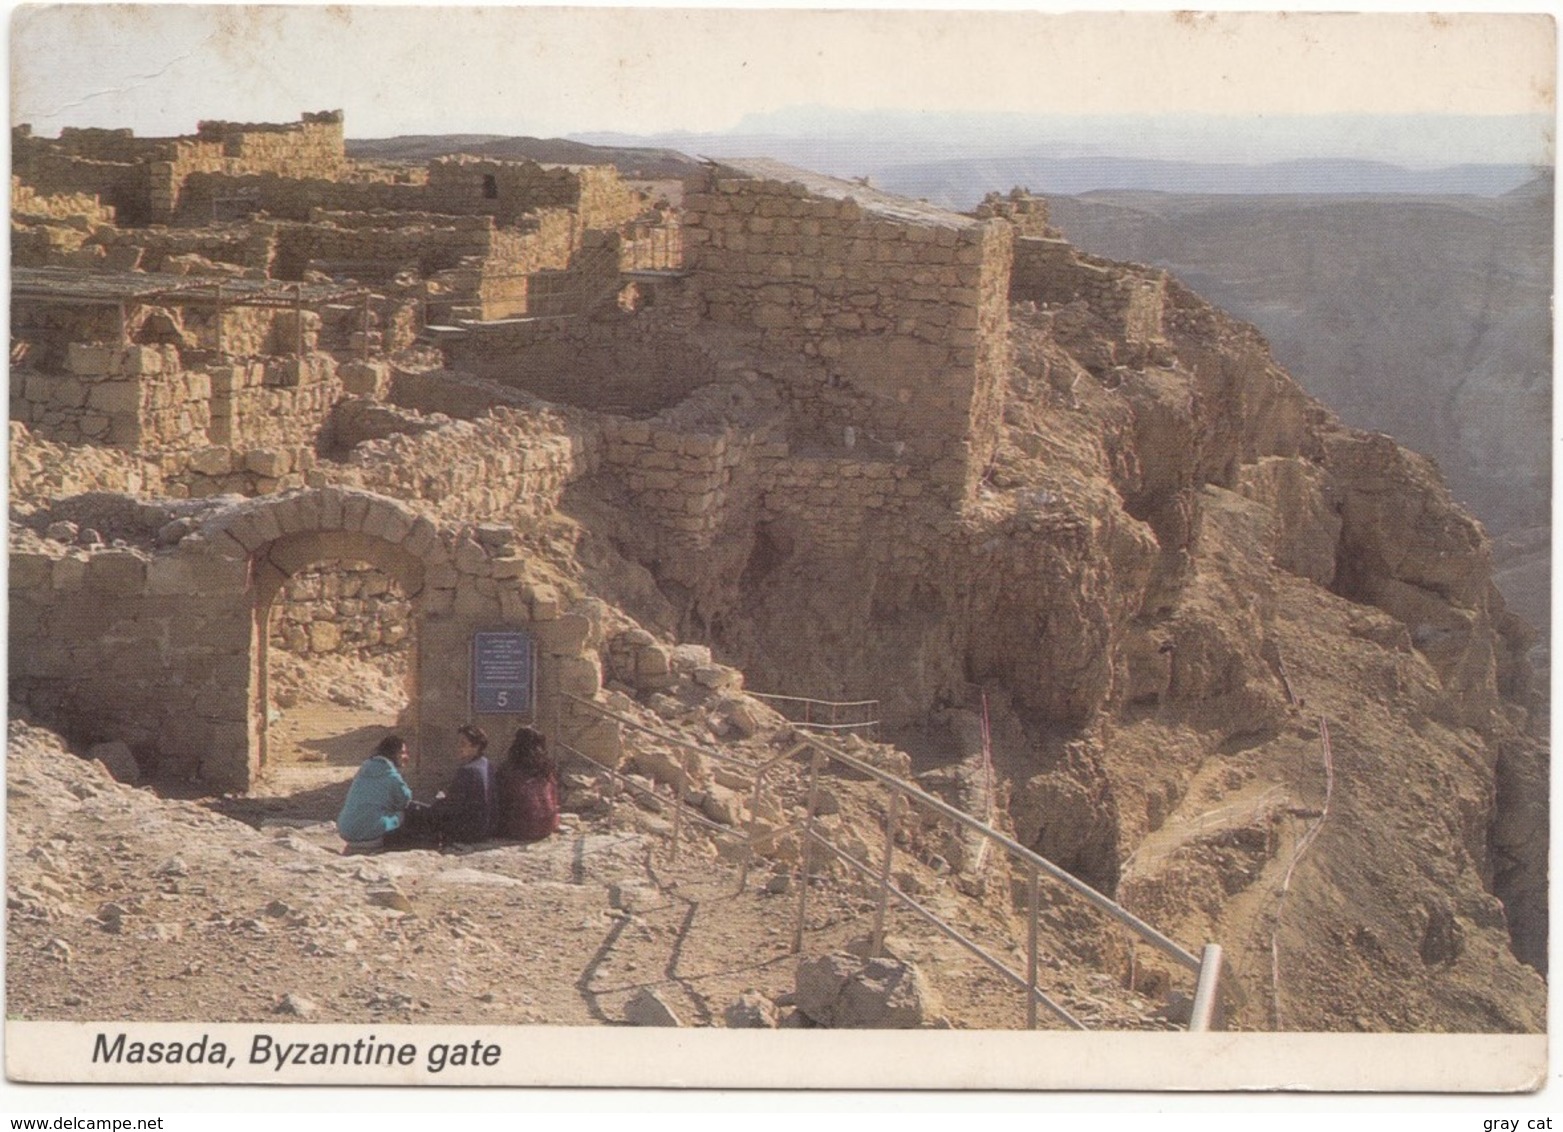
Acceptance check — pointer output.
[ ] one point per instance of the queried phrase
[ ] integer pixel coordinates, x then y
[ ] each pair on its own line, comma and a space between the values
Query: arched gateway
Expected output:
488, 640
166, 648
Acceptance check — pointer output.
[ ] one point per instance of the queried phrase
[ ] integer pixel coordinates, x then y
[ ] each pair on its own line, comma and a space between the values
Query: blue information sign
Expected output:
502, 671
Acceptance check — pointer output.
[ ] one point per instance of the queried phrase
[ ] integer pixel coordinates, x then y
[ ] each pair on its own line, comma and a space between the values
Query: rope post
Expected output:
877, 941
218, 322
124, 328
815, 759
363, 349
754, 827
1205, 991
298, 319
1033, 902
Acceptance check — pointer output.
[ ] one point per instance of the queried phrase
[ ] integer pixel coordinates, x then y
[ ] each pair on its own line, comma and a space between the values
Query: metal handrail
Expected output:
1207, 967
1104, 903
836, 707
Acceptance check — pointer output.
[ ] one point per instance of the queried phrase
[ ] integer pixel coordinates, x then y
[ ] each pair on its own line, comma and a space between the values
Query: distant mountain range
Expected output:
951, 159
955, 184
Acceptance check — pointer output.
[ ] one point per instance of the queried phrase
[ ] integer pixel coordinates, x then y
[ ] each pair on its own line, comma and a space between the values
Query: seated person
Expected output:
377, 801
528, 789
465, 812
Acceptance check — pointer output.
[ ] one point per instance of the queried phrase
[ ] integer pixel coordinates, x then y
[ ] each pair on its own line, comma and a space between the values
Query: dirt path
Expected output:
314, 751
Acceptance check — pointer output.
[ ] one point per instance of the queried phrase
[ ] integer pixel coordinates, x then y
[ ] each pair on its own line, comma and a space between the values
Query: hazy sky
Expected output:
551, 71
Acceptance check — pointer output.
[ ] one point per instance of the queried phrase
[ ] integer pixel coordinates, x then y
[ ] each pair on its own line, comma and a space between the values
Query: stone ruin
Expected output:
301, 361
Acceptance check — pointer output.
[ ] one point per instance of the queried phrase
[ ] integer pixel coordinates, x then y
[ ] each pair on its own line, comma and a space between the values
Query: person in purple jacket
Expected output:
465, 811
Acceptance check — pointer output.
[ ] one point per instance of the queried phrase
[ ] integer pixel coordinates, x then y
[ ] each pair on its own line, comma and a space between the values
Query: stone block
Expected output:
68, 392
509, 566
365, 379
545, 602
91, 359
121, 572
255, 528
171, 575
31, 570
216, 460
69, 572
115, 397
117, 760
226, 379
566, 635
579, 676
423, 539
471, 603
388, 522
513, 606
470, 558
270, 462
137, 360
355, 509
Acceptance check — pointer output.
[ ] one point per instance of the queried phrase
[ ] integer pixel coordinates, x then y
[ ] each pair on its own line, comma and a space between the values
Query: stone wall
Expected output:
505, 463
155, 644
508, 190
27, 203
133, 397
122, 643
127, 188
341, 608
615, 362
1054, 273
285, 197
1026, 213
891, 311
238, 427
146, 178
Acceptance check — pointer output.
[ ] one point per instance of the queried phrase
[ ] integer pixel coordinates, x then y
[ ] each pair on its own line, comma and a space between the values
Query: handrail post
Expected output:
1205, 991
678, 805
754, 820
815, 759
1033, 899
892, 815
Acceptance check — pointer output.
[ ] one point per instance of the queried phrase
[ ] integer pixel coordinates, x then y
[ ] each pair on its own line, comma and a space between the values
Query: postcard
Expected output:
779, 549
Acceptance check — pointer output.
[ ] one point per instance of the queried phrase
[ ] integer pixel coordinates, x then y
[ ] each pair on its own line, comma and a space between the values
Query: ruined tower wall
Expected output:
888, 316
1053, 272
145, 178
508, 190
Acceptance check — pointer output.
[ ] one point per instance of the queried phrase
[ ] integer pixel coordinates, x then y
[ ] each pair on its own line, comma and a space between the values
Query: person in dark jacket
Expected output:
465, 812
528, 789
376, 803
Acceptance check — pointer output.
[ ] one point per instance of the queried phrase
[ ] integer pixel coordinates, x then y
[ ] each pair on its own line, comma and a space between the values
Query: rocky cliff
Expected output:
1243, 665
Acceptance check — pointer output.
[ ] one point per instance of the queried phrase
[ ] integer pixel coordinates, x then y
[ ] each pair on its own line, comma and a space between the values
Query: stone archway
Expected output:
460, 581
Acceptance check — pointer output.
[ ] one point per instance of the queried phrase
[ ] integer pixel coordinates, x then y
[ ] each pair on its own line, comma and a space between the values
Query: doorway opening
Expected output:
338, 646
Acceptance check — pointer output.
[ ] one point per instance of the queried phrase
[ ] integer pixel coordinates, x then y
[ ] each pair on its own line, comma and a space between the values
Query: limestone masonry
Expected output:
1087, 550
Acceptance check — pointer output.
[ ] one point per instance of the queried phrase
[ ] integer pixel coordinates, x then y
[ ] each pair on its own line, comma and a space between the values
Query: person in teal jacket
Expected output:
377, 800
